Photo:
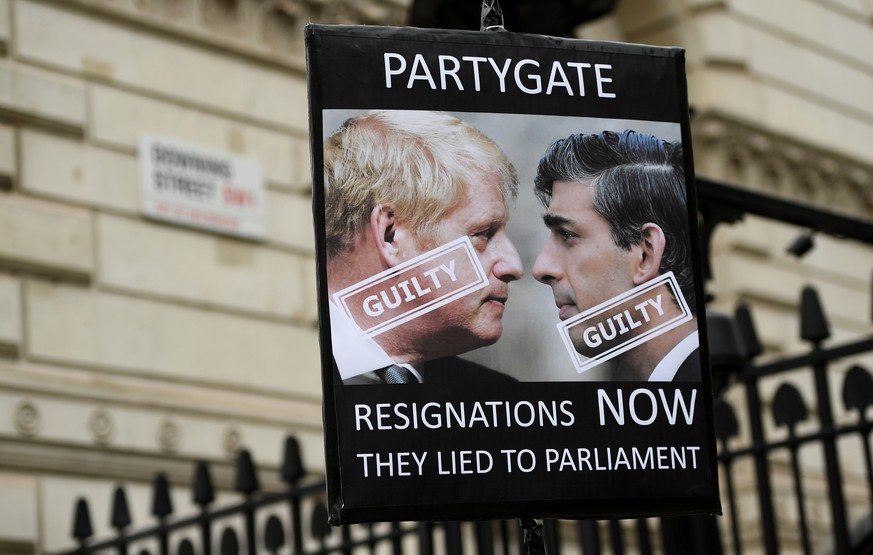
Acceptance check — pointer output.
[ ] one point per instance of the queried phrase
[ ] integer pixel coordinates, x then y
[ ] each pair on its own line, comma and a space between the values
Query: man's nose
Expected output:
508, 266
546, 269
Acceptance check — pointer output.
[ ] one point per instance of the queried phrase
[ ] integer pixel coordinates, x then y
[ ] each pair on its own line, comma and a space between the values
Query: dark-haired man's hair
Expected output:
637, 179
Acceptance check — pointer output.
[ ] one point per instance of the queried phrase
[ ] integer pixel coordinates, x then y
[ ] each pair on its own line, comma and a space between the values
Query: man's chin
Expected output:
484, 338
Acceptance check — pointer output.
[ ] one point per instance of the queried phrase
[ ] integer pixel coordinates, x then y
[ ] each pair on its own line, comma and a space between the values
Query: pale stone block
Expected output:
78, 172
70, 324
8, 163
48, 236
310, 291
197, 267
815, 24
670, 35
78, 42
301, 165
635, 15
312, 448
805, 118
18, 507
120, 118
861, 8
810, 71
289, 221
603, 28
10, 314
841, 259
726, 89
782, 284
721, 38
4, 22
809, 120
758, 235
43, 96
61, 495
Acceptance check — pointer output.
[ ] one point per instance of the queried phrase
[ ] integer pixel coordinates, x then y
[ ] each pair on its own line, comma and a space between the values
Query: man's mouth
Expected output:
566, 309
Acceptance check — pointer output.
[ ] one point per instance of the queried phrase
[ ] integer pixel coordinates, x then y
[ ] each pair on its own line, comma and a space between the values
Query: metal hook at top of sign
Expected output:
492, 16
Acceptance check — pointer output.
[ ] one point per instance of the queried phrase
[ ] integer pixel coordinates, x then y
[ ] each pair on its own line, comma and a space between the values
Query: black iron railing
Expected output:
788, 410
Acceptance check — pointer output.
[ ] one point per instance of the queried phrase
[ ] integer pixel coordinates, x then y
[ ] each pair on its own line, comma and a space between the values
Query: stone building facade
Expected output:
129, 346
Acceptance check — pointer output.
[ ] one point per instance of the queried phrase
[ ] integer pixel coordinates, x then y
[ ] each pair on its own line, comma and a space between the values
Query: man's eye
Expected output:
485, 233
563, 234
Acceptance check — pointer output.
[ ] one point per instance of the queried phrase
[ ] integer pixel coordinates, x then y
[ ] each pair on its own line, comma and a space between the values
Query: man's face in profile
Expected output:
580, 261
475, 320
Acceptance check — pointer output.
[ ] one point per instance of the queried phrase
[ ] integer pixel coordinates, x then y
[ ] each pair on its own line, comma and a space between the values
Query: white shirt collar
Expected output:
354, 352
666, 370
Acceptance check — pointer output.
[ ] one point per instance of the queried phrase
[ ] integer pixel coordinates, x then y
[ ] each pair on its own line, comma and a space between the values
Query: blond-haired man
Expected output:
399, 184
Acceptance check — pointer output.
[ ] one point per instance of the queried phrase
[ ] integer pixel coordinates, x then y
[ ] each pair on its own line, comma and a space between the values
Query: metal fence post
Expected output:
815, 329
120, 518
203, 494
247, 484
162, 507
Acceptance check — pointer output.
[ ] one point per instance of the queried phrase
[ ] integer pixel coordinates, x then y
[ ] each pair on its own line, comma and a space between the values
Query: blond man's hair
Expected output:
414, 161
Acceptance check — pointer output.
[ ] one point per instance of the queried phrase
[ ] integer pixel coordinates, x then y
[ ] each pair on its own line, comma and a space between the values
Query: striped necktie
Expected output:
396, 374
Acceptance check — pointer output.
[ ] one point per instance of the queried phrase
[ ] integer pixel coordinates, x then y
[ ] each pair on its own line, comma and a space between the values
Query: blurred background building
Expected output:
130, 346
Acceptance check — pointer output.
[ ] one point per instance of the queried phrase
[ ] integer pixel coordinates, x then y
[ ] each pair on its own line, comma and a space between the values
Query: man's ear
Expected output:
650, 251
382, 234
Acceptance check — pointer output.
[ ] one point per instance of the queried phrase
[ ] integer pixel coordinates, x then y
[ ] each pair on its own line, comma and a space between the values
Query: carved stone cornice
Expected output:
270, 30
742, 154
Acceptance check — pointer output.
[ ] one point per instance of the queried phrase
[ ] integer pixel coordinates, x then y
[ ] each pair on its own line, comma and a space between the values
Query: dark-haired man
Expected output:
618, 218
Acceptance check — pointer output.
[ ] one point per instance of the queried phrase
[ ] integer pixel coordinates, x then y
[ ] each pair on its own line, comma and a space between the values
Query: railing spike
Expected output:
788, 407
726, 352
82, 529
726, 424
229, 542
814, 325
292, 463
186, 547
162, 504
319, 526
748, 333
246, 473
274, 534
203, 492
858, 389
120, 514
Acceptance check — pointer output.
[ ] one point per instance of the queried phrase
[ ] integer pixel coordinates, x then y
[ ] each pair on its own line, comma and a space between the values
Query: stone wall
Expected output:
129, 346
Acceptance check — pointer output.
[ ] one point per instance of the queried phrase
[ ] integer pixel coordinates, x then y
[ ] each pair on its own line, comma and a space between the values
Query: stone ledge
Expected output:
193, 267
42, 98
75, 42
149, 431
189, 400
271, 33
745, 154
45, 238
10, 316
145, 338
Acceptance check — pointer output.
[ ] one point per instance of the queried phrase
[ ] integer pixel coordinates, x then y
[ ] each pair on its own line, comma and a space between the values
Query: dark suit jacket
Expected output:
689, 370
457, 371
